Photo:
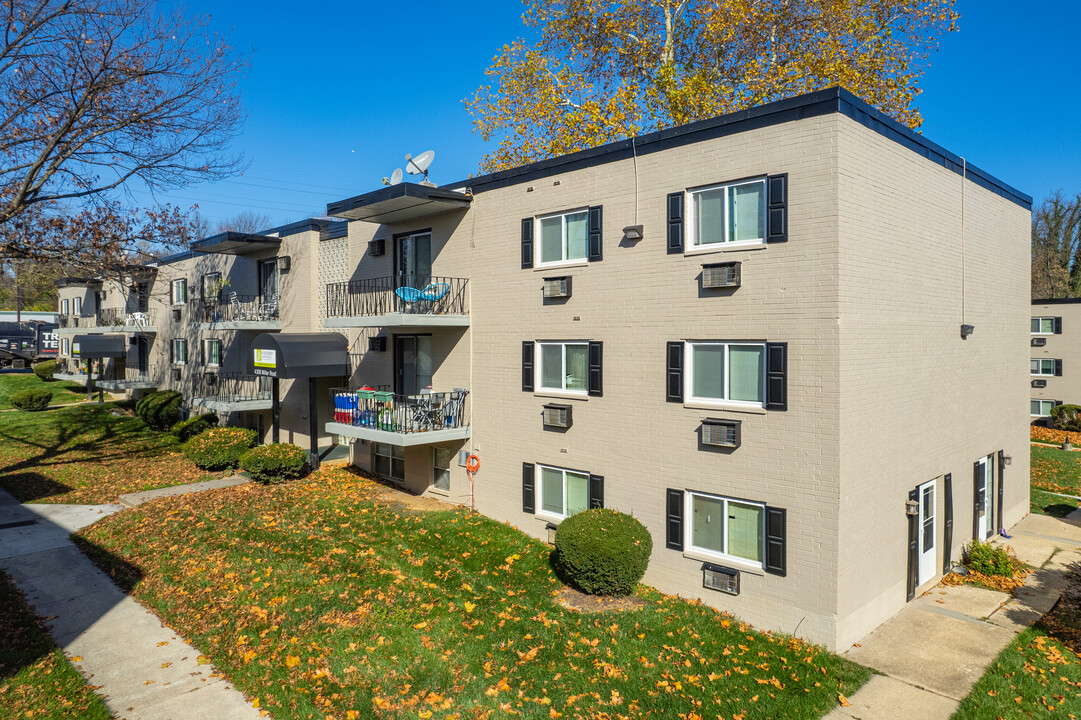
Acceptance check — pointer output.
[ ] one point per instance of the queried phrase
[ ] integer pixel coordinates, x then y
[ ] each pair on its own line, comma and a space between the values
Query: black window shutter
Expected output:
976, 504
596, 376
777, 208
776, 554
913, 550
1058, 326
202, 353
674, 526
596, 226
596, 491
1057, 403
528, 503
527, 366
172, 351
675, 222
947, 541
776, 376
527, 243
1058, 368
675, 372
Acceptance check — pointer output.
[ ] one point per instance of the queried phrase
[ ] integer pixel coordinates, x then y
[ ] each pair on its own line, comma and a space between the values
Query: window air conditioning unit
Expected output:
285, 262
717, 577
377, 344
1039, 383
557, 287
721, 433
721, 275
558, 416
176, 373
1039, 342
377, 247
176, 313
212, 379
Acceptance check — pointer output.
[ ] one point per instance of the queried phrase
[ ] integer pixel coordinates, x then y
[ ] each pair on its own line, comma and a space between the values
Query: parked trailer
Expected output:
27, 343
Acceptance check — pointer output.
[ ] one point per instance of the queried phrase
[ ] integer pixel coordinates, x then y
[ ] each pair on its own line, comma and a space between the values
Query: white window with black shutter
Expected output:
556, 493
565, 238
726, 215
179, 351
727, 530
178, 291
1045, 367
564, 367
1046, 326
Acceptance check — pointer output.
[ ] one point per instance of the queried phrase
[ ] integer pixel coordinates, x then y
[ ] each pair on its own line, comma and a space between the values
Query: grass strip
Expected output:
64, 392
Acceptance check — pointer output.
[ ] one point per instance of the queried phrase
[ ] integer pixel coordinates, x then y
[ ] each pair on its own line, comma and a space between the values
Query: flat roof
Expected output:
821, 102
231, 242
400, 203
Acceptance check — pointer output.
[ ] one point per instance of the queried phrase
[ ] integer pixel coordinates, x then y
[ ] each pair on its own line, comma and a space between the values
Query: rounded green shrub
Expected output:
602, 552
219, 448
988, 559
160, 410
32, 400
45, 370
187, 429
275, 462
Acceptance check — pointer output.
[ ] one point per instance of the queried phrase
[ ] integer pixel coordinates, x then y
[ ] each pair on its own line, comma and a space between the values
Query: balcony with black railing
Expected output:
398, 301
233, 311
70, 369
133, 379
108, 320
231, 392
402, 420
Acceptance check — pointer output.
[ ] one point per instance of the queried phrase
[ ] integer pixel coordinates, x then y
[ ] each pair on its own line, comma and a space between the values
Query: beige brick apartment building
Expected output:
787, 340
1055, 360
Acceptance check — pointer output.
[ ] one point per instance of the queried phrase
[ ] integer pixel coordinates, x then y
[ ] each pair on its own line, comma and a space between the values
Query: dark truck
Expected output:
25, 343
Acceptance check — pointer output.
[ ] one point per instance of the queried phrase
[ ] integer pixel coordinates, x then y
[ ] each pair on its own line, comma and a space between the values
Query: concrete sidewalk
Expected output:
142, 668
932, 652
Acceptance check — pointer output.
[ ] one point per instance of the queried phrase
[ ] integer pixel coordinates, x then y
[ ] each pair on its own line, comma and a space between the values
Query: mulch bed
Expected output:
580, 602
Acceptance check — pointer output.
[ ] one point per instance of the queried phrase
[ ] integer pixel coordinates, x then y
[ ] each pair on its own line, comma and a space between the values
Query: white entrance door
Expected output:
927, 531
983, 497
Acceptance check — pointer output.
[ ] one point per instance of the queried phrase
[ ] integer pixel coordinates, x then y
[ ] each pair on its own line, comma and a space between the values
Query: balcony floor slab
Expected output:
261, 325
399, 439
215, 405
417, 320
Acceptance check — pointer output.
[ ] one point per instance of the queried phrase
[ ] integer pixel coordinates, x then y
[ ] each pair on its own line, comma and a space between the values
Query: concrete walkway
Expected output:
142, 668
138, 498
932, 652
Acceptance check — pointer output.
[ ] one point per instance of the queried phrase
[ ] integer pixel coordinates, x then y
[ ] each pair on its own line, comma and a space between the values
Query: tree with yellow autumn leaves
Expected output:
605, 70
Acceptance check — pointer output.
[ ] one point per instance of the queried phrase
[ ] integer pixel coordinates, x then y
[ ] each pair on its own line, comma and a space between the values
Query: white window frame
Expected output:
539, 367
1041, 401
206, 349
180, 343
65, 306
207, 277
1041, 373
688, 388
77, 306
564, 260
693, 244
437, 470
688, 530
538, 484
65, 347
1041, 318
181, 283
377, 451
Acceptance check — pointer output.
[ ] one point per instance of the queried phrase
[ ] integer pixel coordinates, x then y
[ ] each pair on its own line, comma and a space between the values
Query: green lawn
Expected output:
1057, 471
63, 392
320, 598
36, 680
86, 454
1035, 676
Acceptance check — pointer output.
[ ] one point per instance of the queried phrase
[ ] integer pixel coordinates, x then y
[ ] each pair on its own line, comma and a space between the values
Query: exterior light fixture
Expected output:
632, 232
1007, 460
967, 330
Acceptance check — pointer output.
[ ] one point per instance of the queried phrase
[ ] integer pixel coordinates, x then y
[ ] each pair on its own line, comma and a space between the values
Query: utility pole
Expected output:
18, 299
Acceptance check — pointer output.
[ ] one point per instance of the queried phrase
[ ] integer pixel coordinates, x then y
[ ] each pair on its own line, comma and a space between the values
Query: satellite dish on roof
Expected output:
395, 177
419, 165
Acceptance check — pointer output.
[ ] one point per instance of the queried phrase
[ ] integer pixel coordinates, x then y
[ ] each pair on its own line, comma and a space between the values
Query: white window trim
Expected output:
1041, 373
688, 530
65, 306
690, 201
178, 342
538, 485
1041, 401
564, 261
1041, 318
688, 380
216, 276
172, 291
206, 349
77, 306
539, 368
435, 466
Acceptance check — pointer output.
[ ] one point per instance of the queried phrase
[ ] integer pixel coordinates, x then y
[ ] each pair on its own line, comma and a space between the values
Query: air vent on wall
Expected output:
721, 275
557, 416
717, 577
557, 287
377, 247
377, 344
1039, 342
1039, 383
176, 373
721, 433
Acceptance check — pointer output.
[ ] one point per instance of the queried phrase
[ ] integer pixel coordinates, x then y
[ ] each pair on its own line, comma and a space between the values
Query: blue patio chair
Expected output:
430, 293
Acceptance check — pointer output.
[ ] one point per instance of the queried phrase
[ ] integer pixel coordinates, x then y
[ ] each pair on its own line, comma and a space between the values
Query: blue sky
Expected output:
339, 92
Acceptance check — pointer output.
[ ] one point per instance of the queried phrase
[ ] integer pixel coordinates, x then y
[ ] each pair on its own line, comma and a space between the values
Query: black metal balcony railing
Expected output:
411, 294
132, 377
108, 317
379, 410
231, 387
236, 308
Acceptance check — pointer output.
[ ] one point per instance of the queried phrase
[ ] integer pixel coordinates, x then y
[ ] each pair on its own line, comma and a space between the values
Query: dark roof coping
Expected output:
814, 104
1057, 301
78, 282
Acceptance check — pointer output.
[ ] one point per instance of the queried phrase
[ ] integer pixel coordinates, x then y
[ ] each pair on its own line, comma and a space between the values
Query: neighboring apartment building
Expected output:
1055, 360
747, 332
